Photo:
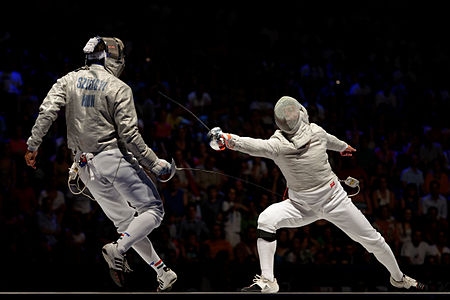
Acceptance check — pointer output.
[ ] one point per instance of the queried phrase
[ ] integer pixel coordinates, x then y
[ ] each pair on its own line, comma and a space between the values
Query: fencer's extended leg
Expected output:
351, 220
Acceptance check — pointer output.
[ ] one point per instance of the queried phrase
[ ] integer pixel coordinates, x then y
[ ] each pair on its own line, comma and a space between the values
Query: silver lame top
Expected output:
100, 114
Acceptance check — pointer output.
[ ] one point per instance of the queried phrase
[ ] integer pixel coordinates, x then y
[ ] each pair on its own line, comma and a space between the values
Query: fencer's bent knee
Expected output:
267, 222
268, 236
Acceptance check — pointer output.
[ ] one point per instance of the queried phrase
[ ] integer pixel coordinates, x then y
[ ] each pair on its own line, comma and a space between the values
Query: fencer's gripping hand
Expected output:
160, 167
348, 151
214, 137
219, 140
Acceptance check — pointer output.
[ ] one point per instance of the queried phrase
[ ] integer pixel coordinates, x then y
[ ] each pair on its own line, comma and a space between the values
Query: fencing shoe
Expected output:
407, 282
117, 263
166, 279
262, 285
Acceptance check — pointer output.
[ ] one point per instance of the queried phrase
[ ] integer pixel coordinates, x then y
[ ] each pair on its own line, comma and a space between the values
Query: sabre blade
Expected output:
185, 108
233, 177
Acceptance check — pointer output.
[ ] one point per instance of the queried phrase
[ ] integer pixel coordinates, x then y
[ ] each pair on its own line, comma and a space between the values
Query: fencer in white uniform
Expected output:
109, 151
299, 149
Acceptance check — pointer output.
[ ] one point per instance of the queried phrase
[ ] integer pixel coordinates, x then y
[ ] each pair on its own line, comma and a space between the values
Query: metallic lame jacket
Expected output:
305, 169
100, 114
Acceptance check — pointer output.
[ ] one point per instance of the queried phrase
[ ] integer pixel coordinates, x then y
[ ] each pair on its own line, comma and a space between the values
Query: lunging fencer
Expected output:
109, 153
299, 149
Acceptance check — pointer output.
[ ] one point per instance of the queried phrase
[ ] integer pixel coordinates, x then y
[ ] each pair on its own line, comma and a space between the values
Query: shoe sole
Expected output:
267, 291
169, 286
116, 275
420, 286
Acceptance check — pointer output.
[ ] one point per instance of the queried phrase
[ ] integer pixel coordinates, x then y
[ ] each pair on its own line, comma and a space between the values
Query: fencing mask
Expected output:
109, 49
292, 119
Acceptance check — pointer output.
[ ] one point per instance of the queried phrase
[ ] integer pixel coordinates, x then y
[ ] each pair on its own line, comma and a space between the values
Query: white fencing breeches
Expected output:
125, 193
330, 203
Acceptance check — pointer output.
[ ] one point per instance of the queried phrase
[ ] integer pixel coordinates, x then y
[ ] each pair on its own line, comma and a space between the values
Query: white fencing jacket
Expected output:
306, 168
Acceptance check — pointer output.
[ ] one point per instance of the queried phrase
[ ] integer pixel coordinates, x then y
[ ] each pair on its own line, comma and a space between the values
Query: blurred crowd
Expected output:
385, 92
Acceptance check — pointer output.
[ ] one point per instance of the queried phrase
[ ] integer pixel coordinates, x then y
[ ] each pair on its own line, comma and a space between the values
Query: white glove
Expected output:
161, 167
219, 140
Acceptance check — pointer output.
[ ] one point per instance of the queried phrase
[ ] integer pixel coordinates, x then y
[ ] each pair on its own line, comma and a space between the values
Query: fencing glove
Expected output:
161, 167
219, 140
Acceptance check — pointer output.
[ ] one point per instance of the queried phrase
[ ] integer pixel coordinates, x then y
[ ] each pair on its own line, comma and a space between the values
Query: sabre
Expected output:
185, 108
233, 177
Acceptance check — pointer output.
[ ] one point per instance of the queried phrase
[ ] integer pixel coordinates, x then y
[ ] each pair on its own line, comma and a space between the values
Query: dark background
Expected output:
241, 52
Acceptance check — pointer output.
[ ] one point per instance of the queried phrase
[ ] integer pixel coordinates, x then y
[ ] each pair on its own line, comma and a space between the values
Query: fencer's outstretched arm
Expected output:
270, 148
267, 148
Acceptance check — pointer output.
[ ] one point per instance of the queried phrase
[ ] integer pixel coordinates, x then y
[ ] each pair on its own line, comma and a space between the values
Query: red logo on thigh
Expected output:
332, 184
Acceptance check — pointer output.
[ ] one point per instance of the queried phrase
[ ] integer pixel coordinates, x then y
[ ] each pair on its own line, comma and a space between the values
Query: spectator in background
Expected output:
49, 226
385, 98
212, 177
387, 225
211, 205
187, 179
161, 130
351, 168
435, 199
217, 243
24, 195
58, 199
431, 225
437, 173
60, 166
386, 155
430, 150
191, 261
413, 174
283, 246
233, 210
199, 98
360, 86
8, 167
190, 223
406, 225
258, 169
410, 200
414, 252
382, 195
442, 244
17, 141
175, 198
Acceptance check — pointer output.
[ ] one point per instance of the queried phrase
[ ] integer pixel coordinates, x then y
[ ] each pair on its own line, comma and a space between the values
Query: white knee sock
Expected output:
145, 250
140, 227
266, 252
